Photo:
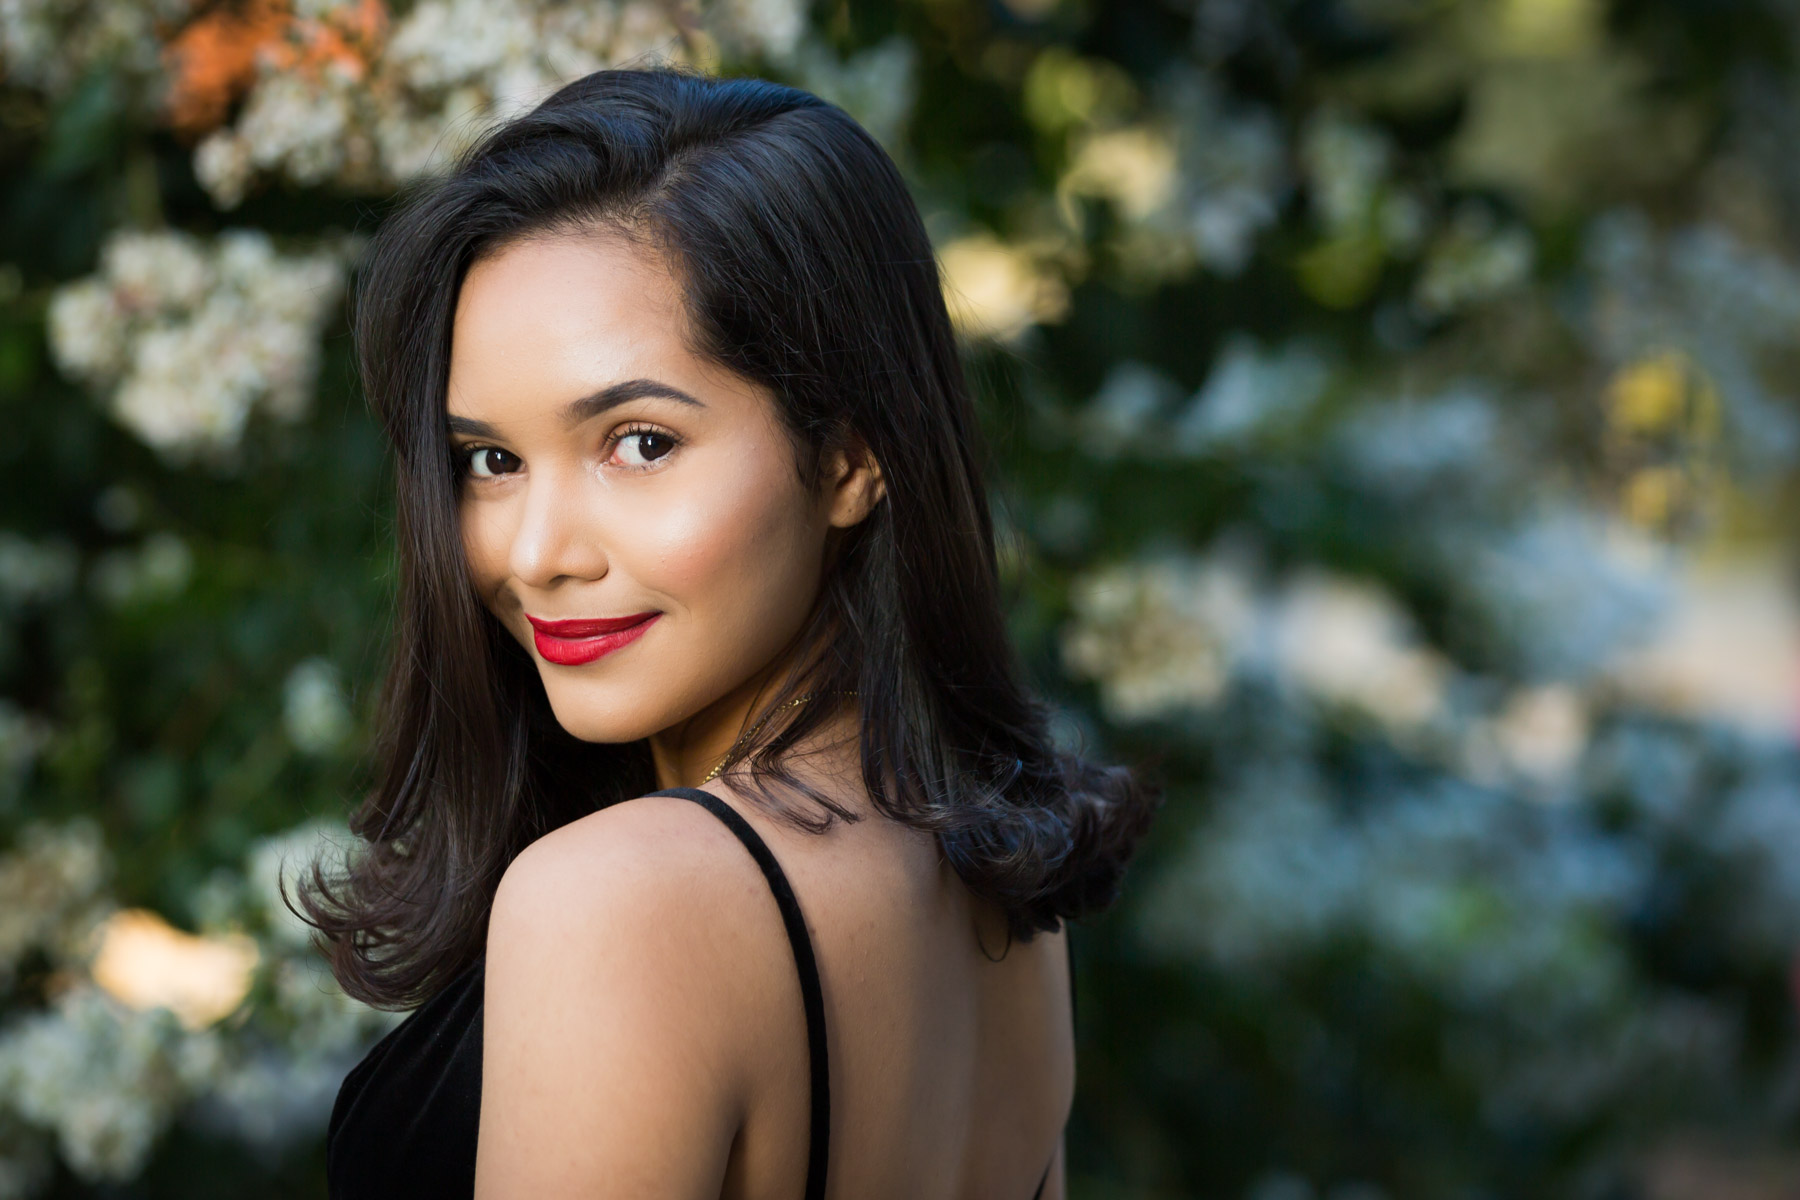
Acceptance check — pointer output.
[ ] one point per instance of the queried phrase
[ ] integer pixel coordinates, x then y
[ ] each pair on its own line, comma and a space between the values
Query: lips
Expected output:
571, 643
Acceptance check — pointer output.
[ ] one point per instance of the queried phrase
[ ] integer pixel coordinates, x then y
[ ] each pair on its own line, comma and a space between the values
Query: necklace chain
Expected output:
751, 732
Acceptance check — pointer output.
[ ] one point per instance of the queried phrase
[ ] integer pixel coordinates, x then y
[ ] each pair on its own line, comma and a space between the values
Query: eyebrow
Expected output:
588, 407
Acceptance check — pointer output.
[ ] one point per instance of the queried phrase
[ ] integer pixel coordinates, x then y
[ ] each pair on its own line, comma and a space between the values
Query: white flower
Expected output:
104, 1078
1172, 632
190, 338
144, 962
88, 329
1274, 867
301, 122
158, 272
1346, 163
451, 68
1134, 167
1233, 171
285, 859
876, 86
1727, 306
1161, 635
1473, 260
52, 45
224, 164
1565, 592
772, 28
34, 572
271, 1097
1729, 650
1348, 642
448, 70
444, 43
417, 144
644, 37
997, 290
51, 895
158, 569
313, 708
1543, 730
1403, 448
1250, 391
1125, 414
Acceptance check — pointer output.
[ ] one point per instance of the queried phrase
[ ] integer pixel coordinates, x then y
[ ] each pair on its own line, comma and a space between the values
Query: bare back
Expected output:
952, 1053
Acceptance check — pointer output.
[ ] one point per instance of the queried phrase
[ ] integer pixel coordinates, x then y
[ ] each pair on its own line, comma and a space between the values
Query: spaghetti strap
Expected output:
1069, 950
811, 996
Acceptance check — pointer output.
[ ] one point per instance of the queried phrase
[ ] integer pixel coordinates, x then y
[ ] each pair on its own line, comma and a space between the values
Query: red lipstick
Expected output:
571, 643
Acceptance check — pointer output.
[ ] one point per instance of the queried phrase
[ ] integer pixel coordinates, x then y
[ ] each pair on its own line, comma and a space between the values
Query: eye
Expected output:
641, 446
485, 462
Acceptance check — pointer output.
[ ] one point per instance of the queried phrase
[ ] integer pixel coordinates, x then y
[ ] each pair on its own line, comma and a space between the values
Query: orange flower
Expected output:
214, 60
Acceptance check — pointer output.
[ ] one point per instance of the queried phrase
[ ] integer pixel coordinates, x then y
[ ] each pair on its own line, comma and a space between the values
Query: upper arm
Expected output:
614, 1005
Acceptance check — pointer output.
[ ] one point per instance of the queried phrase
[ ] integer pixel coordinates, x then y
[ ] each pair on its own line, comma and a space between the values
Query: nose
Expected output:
558, 534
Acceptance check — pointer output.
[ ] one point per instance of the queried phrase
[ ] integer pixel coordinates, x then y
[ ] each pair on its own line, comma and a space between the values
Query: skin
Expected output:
643, 1029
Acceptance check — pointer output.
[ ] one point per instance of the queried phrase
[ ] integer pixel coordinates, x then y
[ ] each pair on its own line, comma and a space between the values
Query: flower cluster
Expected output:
1233, 171
381, 103
996, 289
104, 1078
23, 736
156, 569
32, 572
56, 45
1196, 181
52, 894
131, 1036
1173, 633
314, 712
187, 338
284, 1071
1510, 919
1727, 307
1578, 616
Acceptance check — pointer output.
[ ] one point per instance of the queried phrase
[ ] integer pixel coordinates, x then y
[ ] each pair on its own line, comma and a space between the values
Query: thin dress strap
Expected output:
819, 1146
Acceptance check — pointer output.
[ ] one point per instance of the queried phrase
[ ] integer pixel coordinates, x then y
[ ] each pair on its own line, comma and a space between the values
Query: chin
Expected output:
597, 719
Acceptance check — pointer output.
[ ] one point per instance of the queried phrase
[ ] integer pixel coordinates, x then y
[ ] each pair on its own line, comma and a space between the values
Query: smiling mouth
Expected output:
572, 643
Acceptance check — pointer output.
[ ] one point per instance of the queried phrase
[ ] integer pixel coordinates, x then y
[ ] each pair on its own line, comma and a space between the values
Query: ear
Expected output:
853, 485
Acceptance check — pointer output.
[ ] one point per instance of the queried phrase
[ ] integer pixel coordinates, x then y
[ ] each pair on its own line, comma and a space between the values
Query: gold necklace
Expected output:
751, 732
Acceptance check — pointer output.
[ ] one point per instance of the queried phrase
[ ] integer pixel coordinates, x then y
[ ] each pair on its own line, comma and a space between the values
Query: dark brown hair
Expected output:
804, 268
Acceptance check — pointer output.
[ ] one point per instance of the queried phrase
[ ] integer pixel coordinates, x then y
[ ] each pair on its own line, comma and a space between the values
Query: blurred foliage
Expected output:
1377, 388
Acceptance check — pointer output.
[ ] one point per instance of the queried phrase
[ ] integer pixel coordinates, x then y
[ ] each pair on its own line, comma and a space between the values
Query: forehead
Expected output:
566, 311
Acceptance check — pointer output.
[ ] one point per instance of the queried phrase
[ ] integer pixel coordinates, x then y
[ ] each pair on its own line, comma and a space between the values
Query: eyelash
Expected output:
463, 454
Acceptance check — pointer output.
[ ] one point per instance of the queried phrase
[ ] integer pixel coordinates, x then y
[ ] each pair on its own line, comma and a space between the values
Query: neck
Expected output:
685, 753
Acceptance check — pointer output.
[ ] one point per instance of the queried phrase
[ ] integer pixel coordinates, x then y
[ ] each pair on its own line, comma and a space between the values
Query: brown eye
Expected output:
485, 462
641, 447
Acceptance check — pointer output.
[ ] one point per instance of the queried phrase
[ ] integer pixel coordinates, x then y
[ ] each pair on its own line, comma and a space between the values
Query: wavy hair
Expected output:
805, 268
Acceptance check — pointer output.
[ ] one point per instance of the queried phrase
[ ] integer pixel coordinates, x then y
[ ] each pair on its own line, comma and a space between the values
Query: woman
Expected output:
690, 494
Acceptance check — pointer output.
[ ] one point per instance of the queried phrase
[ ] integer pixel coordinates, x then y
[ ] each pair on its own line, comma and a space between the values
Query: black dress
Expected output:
406, 1116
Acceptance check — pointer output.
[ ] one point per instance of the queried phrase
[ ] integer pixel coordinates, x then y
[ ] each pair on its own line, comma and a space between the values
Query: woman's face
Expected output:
611, 476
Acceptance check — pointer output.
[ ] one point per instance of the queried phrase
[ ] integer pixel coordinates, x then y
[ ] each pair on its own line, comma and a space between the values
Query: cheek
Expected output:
484, 546
738, 543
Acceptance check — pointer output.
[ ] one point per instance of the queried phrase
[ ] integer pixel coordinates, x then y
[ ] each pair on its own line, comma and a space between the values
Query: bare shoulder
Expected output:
643, 857
622, 962
653, 890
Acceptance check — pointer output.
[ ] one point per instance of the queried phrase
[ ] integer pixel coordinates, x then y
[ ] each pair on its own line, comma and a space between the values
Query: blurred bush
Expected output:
1394, 406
